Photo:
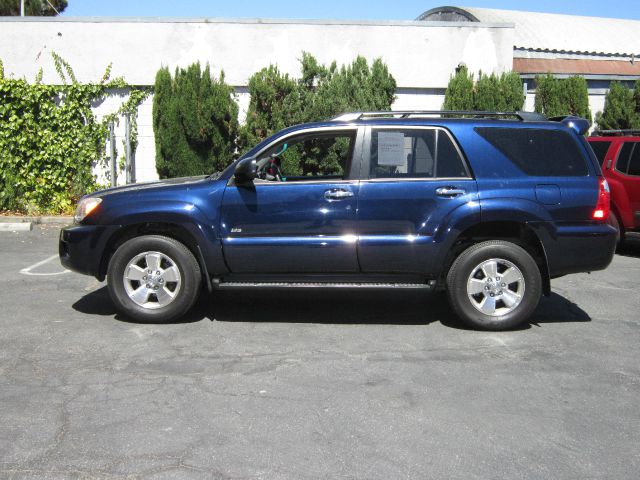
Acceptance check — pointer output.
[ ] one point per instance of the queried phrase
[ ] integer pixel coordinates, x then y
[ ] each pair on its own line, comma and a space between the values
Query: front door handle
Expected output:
449, 192
337, 194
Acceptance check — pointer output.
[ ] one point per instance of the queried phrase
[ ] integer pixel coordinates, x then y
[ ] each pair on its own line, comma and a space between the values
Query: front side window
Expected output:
414, 153
313, 156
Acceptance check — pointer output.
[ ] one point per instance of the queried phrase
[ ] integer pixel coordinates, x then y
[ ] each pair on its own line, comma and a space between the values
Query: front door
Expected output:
300, 215
416, 179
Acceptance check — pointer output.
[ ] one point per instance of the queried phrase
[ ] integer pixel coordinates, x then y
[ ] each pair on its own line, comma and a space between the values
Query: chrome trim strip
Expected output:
416, 179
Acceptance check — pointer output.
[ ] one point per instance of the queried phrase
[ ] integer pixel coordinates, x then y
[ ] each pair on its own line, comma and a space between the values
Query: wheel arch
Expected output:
168, 229
520, 233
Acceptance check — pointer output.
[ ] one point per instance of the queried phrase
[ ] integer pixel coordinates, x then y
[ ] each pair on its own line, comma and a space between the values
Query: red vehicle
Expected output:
618, 152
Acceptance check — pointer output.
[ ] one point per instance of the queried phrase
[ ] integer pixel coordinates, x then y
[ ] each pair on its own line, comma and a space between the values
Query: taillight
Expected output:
601, 212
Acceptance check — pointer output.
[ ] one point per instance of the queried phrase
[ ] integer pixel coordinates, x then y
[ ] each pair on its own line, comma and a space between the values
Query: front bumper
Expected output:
82, 247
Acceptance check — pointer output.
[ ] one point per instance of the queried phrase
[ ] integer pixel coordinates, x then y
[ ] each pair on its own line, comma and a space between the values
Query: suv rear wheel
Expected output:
494, 285
153, 279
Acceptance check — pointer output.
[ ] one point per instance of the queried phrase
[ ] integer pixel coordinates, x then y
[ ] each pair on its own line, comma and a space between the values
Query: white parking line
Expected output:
27, 270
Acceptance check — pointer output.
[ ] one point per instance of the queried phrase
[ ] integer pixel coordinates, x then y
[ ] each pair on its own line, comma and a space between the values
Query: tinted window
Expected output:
320, 156
414, 153
450, 164
538, 152
634, 164
600, 149
622, 164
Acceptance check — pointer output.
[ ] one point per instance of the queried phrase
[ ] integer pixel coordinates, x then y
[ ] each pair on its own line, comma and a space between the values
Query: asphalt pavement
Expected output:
313, 384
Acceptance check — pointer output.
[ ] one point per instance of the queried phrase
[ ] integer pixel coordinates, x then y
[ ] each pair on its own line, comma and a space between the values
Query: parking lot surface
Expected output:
313, 384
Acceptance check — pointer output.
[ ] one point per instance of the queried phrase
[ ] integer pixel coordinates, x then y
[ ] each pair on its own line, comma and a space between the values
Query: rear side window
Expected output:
414, 153
600, 149
624, 157
634, 163
538, 152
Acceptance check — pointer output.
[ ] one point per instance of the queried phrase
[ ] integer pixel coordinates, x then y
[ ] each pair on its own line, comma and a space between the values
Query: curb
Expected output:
15, 227
47, 220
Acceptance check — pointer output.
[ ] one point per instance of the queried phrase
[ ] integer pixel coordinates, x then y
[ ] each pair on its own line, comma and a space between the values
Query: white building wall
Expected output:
420, 55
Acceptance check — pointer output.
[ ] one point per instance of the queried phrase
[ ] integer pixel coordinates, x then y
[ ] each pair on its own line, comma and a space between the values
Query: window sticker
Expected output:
391, 149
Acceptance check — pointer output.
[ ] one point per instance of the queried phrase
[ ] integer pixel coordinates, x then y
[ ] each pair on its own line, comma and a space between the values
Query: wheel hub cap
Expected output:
495, 287
152, 280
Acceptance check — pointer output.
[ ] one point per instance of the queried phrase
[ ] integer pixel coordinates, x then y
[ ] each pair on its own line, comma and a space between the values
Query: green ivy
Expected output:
50, 138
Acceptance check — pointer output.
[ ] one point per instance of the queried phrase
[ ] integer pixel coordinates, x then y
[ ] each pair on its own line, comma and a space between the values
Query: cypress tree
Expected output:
511, 92
549, 96
195, 122
576, 97
620, 108
274, 104
488, 95
459, 93
278, 101
502, 93
559, 97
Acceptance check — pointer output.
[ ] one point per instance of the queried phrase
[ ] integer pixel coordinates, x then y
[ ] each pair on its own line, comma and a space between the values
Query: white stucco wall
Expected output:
420, 55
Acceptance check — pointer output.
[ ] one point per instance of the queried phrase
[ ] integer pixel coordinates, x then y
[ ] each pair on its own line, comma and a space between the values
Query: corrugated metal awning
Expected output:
576, 67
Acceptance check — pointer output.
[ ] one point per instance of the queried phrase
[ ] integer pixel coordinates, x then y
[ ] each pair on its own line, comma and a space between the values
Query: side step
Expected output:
371, 285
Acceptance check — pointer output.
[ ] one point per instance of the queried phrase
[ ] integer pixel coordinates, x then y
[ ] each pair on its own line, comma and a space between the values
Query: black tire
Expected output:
468, 262
613, 220
185, 290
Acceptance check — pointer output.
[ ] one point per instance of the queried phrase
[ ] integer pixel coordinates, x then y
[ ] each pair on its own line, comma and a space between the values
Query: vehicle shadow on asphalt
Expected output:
333, 307
631, 247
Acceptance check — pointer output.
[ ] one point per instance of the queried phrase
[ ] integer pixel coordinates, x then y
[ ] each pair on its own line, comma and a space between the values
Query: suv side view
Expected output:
618, 152
487, 206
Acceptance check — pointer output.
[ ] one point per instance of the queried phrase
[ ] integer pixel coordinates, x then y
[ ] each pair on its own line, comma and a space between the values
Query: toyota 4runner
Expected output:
487, 206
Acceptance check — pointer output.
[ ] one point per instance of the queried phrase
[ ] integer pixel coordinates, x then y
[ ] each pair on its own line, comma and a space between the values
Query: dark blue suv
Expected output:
489, 206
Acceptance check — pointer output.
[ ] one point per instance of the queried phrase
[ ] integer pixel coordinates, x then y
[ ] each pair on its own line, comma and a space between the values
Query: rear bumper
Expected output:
581, 248
81, 247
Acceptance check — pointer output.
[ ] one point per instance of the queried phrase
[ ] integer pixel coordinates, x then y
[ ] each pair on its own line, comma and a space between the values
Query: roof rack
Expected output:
522, 116
617, 133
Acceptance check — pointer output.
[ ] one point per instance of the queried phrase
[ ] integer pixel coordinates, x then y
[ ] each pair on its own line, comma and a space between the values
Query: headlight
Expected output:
85, 207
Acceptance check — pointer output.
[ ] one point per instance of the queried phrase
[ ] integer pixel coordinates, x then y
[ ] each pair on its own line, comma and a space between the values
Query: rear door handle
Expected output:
449, 192
337, 194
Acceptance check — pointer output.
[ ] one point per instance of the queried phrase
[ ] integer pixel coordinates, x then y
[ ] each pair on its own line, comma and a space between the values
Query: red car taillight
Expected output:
603, 206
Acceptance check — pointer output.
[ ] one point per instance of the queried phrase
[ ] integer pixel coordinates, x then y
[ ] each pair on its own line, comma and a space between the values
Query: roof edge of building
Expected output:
255, 21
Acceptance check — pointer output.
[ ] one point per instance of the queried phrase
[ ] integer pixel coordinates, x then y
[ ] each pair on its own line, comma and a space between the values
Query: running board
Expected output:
414, 286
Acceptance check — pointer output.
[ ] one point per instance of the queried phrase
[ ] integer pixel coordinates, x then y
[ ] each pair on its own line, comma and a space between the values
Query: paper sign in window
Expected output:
391, 149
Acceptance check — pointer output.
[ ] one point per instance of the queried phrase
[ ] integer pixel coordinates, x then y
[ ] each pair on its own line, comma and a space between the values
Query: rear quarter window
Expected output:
538, 152
600, 149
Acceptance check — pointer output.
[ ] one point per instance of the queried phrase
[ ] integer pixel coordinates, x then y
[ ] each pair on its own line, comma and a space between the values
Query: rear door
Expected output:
413, 179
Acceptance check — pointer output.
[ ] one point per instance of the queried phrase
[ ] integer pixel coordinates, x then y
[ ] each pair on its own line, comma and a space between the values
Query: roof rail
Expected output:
617, 133
522, 116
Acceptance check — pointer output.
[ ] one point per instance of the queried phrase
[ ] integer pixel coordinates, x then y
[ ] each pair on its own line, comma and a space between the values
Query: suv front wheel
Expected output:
494, 285
153, 279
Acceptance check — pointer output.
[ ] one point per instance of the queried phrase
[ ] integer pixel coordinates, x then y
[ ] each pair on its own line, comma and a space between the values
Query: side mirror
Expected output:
246, 170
